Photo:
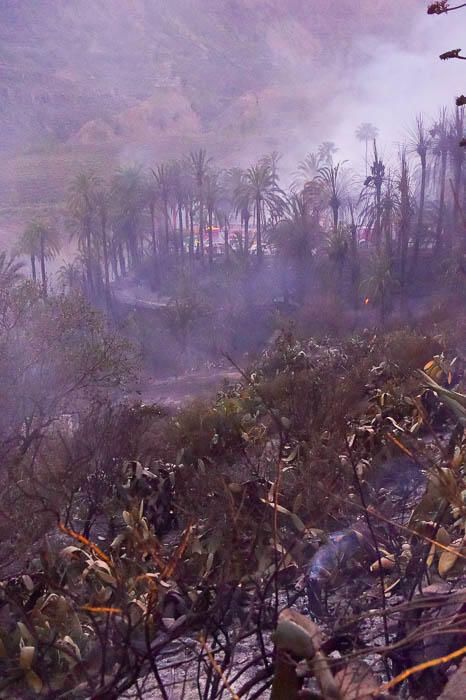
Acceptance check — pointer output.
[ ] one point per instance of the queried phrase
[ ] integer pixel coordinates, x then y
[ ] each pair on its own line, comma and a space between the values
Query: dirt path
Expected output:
174, 392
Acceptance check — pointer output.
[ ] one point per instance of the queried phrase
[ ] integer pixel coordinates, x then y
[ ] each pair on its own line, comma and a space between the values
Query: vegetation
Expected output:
314, 437
301, 534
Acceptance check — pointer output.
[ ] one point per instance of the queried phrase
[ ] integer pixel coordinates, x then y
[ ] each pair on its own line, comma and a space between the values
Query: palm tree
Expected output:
70, 276
189, 201
371, 197
457, 159
272, 160
440, 150
10, 270
180, 194
420, 144
127, 192
405, 213
355, 266
366, 132
200, 165
162, 175
293, 237
151, 200
241, 197
259, 188
82, 206
40, 240
28, 245
226, 206
325, 153
103, 201
334, 184
337, 249
380, 283
212, 197
306, 171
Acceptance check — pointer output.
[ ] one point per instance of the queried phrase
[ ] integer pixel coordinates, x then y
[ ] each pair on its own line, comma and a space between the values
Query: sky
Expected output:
394, 84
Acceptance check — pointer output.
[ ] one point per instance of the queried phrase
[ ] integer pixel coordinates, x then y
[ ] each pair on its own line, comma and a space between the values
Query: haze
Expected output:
112, 83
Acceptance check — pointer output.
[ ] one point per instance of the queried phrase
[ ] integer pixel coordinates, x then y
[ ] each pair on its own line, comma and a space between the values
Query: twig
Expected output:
217, 669
421, 667
377, 549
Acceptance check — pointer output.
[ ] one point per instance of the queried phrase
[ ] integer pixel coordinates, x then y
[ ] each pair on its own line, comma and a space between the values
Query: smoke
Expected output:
391, 85
146, 81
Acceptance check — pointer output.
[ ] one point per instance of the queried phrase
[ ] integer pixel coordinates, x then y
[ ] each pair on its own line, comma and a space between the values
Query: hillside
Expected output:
142, 79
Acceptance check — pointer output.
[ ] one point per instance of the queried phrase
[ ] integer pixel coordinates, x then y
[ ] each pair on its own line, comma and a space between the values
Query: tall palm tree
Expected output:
241, 197
180, 197
200, 164
226, 206
380, 283
272, 160
440, 151
334, 183
82, 206
457, 156
70, 276
127, 192
371, 197
163, 182
325, 152
259, 188
293, 237
212, 197
405, 214
40, 240
28, 245
189, 201
103, 202
307, 170
366, 132
355, 264
338, 247
420, 144
151, 200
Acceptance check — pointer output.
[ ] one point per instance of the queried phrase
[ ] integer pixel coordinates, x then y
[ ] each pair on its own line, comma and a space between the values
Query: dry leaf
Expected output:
356, 682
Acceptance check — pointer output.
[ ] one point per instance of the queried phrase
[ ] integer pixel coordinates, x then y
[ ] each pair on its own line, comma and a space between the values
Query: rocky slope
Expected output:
104, 82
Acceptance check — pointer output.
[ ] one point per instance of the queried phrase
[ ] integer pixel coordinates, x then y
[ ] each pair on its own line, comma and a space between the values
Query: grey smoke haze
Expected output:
104, 83
396, 83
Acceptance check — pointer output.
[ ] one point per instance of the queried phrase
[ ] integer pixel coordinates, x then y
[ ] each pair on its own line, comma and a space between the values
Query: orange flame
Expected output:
366, 300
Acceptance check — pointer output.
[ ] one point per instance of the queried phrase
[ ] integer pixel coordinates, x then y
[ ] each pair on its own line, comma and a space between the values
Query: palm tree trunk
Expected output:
441, 204
121, 258
458, 173
166, 217
258, 228
33, 268
211, 243
114, 260
180, 220
154, 238
90, 278
105, 253
420, 220
227, 239
191, 231
201, 223
246, 234
378, 196
355, 270
42, 265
